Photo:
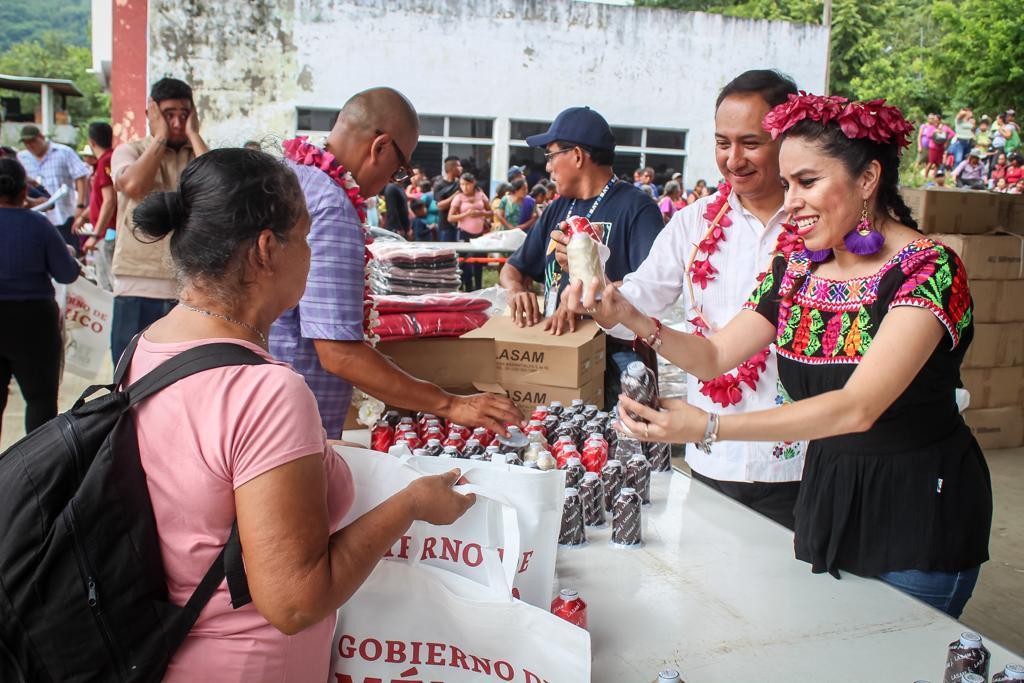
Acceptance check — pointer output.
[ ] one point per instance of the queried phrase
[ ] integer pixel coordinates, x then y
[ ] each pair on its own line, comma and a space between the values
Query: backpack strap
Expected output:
228, 563
188, 363
126, 358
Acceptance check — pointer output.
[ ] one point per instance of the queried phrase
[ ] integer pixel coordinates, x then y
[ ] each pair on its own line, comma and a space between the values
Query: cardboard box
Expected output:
448, 362
528, 396
996, 345
1012, 219
997, 427
952, 210
529, 355
998, 301
994, 387
987, 257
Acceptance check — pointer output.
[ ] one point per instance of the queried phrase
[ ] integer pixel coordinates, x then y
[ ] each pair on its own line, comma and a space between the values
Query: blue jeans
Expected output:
946, 591
132, 314
960, 150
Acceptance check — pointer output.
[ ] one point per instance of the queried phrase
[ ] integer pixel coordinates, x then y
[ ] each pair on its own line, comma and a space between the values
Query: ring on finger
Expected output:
647, 431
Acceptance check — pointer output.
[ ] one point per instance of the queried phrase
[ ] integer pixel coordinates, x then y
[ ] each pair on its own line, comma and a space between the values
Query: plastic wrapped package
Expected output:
402, 326
403, 268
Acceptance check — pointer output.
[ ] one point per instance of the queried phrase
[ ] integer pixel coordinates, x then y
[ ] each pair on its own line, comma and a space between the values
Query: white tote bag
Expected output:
411, 622
88, 311
536, 496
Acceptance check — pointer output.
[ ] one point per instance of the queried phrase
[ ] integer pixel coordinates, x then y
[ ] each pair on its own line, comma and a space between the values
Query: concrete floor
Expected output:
996, 610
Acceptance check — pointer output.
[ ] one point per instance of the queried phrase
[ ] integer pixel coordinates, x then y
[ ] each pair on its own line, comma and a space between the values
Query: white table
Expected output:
717, 594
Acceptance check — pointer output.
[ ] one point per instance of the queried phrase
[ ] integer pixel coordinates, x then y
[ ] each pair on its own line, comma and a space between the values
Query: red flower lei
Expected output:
302, 152
727, 389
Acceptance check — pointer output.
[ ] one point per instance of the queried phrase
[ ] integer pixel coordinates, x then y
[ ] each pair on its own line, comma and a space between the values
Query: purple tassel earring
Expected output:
864, 240
818, 256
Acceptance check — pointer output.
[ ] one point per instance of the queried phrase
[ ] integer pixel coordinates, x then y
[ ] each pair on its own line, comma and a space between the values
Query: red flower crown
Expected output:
874, 120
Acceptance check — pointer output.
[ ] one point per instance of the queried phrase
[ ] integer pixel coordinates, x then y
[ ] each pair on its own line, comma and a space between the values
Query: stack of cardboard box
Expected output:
534, 367
993, 369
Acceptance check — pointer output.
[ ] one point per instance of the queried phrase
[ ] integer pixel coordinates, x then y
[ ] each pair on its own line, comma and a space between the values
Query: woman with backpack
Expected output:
32, 253
246, 442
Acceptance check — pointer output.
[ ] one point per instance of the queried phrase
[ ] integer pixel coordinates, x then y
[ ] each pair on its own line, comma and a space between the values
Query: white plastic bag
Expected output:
88, 311
411, 622
536, 497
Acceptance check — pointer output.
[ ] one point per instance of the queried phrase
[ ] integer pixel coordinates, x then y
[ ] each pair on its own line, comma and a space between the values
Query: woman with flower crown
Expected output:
871, 321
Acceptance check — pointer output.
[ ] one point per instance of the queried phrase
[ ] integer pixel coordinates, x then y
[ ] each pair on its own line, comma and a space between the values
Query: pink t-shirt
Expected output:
474, 225
199, 440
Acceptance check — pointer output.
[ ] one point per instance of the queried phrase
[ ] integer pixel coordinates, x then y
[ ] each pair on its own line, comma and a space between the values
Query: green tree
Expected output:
27, 21
52, 57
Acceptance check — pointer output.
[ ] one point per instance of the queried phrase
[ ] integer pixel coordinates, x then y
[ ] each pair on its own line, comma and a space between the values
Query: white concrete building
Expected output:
483, 74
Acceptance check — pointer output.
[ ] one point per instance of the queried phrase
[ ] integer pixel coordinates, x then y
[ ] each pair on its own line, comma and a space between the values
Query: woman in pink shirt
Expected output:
246, 442
472, 212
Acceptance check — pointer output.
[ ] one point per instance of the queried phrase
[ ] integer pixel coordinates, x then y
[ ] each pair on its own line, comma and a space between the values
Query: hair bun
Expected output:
160, 214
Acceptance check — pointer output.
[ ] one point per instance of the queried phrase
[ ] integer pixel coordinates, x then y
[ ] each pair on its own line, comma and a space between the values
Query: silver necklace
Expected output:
211, 314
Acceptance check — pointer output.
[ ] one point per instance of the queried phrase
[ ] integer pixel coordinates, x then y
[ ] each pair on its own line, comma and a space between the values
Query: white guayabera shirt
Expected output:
661, 280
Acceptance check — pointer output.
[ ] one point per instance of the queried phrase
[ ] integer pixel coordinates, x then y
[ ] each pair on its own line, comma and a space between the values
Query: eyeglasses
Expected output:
550, 155
404, 171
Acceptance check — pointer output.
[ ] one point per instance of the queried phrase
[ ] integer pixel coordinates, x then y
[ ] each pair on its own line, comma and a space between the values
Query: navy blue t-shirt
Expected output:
31, 252
636, 222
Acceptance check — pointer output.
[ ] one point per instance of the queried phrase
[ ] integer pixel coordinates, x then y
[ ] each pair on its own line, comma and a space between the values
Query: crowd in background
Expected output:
419, 207
979, 153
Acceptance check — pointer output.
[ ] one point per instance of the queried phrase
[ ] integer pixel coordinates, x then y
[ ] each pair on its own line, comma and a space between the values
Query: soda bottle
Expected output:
536, 426
539, 413
626, 522
382, 437
472, 448
574, 472
393, 417
409, 437
572, 533
639, 384
534, 447
464, 432
450, 452
455, 440
546, 461
567, 451
515, 442
433, 447
555, 408
612, 477
1012, 672
570, 606
966, 655
592, 497
638, 476
483, 435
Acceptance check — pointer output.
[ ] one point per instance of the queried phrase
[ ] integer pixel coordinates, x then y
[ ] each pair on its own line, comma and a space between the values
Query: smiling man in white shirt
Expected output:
710, 254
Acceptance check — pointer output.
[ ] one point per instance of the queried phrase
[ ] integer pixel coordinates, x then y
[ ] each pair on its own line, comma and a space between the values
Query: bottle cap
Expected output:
420, 451
493, 449
570, 448
627, 490
969, 639
569, 462
668, 675
636, 369
473, 442
596, 435
590, 476
571, 492
531, 465
536, 423
556, 404
972, 678
568, 594
565, 437
614, 462
406, 420
1015, 672
577, 402
540, 409
433, 442
638, 456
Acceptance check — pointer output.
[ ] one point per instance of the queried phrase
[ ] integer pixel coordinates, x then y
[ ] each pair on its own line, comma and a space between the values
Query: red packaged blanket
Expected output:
401, 326
429, 302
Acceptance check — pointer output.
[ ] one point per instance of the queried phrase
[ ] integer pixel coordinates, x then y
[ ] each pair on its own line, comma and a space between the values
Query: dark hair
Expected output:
538, 189
502, 189
8, 152
424, 186
416, 204
102, 134
517, 185
224, 200
774, 87
451, 157
170, 89
12, 179
855, 154
647, 170
468, 177
600, 156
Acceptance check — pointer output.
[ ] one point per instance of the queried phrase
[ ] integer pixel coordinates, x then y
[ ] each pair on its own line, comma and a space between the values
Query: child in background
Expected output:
421, 232
499, 195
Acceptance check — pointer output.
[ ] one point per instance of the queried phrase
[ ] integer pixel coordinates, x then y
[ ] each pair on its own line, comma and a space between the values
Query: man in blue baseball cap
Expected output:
580, 150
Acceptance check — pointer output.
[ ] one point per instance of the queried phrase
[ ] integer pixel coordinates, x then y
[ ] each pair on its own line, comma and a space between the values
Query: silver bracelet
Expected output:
710, 433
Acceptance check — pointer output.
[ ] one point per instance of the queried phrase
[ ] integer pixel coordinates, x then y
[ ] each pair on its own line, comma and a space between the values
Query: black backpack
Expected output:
82, 588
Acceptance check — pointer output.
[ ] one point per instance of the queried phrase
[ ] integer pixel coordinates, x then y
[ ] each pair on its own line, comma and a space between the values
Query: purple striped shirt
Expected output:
332, 305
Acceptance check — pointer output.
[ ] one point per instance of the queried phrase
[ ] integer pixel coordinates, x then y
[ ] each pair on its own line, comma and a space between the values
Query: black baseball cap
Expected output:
579, 125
